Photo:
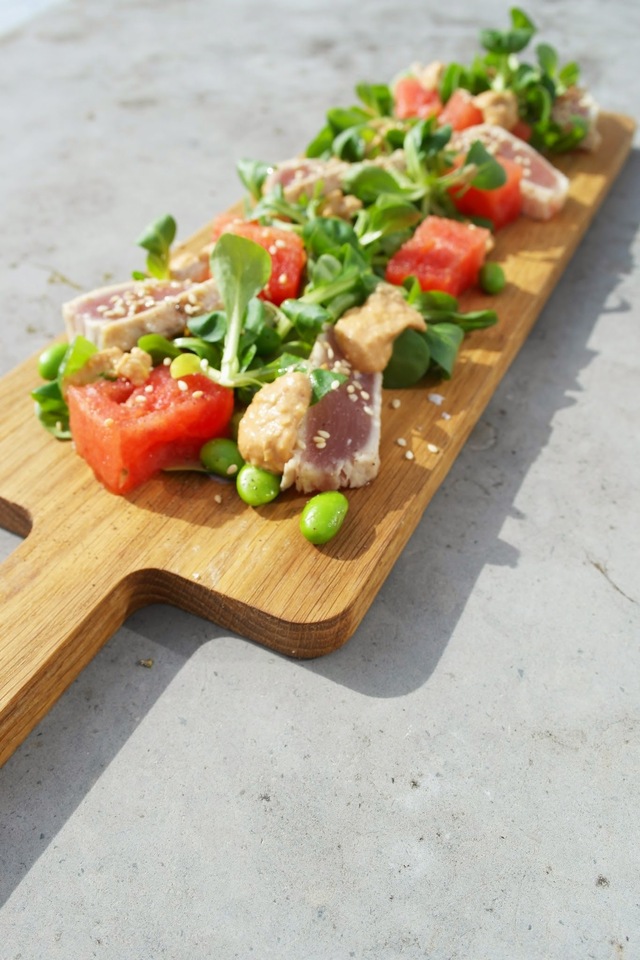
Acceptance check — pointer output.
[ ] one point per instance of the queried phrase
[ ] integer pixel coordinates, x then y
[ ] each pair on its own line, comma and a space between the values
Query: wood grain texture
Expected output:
89, 558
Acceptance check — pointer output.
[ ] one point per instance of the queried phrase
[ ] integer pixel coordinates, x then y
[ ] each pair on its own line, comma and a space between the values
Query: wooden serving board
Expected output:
90, 558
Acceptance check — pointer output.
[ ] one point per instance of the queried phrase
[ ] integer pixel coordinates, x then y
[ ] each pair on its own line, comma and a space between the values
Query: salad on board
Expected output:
262, 358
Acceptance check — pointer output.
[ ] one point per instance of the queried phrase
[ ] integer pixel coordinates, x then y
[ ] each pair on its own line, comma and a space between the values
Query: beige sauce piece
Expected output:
499, 107
268, 431
112, 362
366, 334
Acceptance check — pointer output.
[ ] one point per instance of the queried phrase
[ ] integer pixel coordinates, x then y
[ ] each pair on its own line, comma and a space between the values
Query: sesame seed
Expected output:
182, 385
148, 388
395, 403
335, 384
282, 278
231, 469
431, 447
368, 411
401, 442
204, 364
446, 416
197, 394
352, 396
108, 422
409, 455
273, 249
279, 243
324, 434
167, 361
365, 395
351, 388
218, 498
141, 398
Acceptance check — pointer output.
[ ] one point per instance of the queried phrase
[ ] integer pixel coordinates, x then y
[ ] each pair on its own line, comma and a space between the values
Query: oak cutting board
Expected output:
89, 558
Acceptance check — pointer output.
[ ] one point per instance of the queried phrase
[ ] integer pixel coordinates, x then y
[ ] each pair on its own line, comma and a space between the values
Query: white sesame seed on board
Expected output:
395, 404
218, 498
401, 442
431, 447
409, 455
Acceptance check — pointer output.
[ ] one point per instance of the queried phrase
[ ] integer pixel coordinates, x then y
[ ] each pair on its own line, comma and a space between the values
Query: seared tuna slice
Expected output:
339, 437
186, 265
304, 176
577, 102
544, 188
117, 316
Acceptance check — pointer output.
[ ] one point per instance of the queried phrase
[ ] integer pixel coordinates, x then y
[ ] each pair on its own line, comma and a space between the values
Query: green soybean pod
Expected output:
492, 278
257, 486
222, 457
323, 516
50, 360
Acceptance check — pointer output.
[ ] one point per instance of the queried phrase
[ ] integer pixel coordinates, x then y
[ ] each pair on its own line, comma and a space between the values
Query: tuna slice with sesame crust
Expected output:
544, 188
339, 437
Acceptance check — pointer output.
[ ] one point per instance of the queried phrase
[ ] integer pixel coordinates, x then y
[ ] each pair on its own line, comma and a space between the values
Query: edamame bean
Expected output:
184, 365
50, 360
323, 515
222, 457
256, 486
492, 278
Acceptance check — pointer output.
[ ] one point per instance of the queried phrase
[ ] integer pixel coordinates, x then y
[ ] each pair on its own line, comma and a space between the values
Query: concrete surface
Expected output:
461, 779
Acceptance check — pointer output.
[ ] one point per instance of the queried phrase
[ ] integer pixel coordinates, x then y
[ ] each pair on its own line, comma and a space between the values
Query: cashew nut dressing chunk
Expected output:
113, 362
499, 107
268, 431
366, 334
430, 76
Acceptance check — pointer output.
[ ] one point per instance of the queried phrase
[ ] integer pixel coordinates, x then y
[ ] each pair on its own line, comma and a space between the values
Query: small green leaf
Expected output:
547, 58
409, 361
377, 97
211, 327
158, 236
490, 174
444, 341
253, 173
322, 383
158, 347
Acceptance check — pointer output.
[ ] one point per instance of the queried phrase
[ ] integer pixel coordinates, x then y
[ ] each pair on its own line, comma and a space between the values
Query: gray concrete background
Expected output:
461, 779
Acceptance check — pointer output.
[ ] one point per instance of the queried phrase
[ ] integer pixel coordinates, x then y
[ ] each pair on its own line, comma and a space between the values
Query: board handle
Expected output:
53, 620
